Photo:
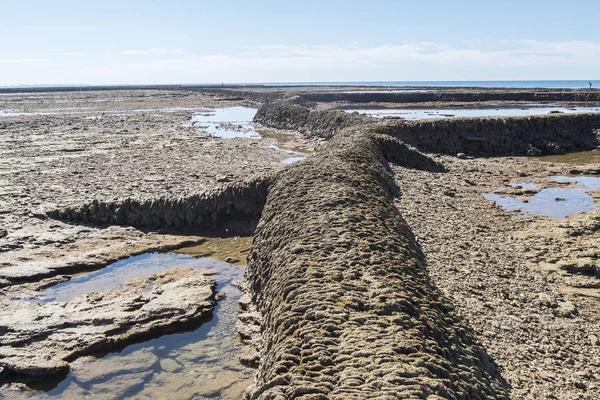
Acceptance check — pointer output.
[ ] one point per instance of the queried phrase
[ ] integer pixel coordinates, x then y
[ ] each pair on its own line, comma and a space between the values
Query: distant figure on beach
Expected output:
590, 84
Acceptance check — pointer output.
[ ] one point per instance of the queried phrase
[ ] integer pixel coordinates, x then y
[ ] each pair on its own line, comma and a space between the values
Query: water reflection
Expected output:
556, 202
417, 114
199, 364
230, 122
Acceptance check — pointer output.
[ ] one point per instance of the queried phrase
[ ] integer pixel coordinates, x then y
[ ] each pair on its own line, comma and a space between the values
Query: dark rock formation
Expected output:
497, 136
313, 124
455, 96
236, 206
489, 136
347, 305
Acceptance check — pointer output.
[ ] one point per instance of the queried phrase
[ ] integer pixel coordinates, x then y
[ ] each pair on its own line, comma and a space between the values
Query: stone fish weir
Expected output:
348, 309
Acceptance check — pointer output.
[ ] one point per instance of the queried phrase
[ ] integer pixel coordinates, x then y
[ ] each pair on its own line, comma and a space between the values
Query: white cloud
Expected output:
470, 60
22, 61
151, 52
69, 54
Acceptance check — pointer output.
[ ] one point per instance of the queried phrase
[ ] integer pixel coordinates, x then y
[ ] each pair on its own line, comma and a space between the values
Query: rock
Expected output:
583, 266
231, 260
547, 300
223, 178
170, 365
566, 309
250, 356
3, 233
105, 368
594, 340
245, 302
297, 250
461, 156
118, 386
533, 151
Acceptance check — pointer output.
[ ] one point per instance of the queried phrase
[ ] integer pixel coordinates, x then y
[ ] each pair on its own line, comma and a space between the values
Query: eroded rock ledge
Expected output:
456, 96
488, 136
294, 115
238, 206
348, 308
39, 340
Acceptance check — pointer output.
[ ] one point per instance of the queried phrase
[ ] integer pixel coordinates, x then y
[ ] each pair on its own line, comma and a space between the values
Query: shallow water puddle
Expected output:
297, 155
229, 122
193, 365
417, 114
553, 202
591, 183
198, 364
113, 276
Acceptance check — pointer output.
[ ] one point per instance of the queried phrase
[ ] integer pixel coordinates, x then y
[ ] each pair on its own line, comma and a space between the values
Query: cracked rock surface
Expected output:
39, 340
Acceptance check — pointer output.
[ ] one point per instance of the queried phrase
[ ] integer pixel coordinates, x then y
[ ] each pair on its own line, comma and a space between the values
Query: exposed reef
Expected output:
293, 115
501, 136
342, 303
237, 206
489, 136
348, 309
531, 95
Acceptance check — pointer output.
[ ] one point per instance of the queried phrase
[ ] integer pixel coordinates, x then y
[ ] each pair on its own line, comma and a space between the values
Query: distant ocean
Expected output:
571, 84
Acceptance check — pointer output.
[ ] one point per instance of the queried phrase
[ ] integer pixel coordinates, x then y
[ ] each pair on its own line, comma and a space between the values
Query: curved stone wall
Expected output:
237, 206
312, 123
456, 96
529, 135
348, 309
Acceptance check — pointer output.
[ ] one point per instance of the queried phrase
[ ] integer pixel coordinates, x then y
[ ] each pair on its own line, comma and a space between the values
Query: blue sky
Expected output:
139, 42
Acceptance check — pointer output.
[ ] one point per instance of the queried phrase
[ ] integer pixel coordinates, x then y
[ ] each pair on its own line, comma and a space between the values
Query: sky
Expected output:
234, 41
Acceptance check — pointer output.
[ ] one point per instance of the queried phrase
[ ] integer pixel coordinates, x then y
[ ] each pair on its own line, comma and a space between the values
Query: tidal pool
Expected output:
589, 182
230, 122
297, 156
554, 202
201, 363
113, 276
418, 114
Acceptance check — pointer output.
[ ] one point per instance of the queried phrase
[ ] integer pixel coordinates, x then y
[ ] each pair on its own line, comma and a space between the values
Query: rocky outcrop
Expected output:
454, 96
497, 136
488, 136
311, 123
236, 206
348, 310
39, 340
